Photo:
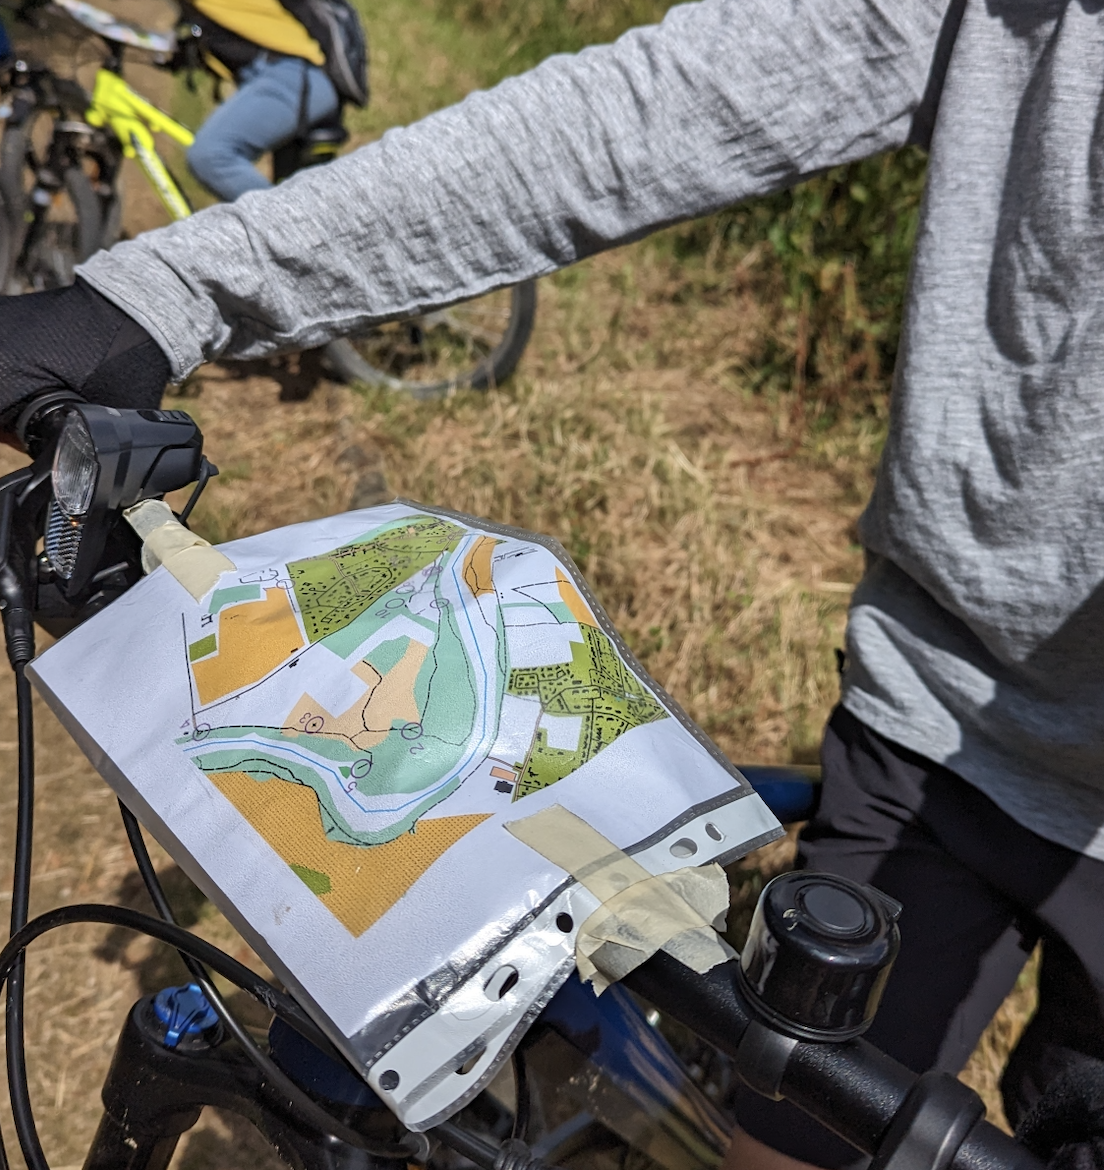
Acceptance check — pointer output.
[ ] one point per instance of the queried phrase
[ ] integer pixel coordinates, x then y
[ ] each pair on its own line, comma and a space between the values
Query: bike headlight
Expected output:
76, 468
105, 461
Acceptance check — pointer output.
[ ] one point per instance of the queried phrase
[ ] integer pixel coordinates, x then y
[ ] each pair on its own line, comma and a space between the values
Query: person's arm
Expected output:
724, 100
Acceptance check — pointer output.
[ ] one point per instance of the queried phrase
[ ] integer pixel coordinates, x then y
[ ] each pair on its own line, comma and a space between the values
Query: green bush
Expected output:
842, 244
833, 258
534, 29
837, 246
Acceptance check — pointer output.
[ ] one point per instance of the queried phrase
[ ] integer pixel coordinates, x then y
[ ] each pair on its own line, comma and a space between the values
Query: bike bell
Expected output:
818, 955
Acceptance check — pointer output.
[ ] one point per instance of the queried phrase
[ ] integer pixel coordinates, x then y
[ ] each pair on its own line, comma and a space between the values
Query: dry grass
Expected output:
984, 1069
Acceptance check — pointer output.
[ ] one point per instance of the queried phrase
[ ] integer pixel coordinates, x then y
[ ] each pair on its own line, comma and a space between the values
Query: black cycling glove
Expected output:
74, 339
1065, 1127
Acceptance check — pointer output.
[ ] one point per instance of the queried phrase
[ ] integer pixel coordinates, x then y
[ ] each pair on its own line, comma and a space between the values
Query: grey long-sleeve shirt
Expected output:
977, 634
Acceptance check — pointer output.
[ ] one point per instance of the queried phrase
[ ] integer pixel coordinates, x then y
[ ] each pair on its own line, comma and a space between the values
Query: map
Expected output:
337, 742
366, 708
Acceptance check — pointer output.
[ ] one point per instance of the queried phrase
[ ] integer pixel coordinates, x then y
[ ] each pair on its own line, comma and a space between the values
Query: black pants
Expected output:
978, 891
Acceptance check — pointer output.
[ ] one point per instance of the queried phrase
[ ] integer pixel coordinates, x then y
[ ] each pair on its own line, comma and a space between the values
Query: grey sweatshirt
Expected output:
977, 635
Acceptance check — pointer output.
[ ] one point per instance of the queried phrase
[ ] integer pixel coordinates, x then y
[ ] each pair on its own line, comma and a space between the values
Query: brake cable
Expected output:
510, 1155
19, 640
276, 1000
21, 889
300, 1103
228, 967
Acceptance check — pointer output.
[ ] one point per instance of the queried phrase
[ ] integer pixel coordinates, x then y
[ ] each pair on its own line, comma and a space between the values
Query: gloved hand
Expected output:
1066, 1125
73, 338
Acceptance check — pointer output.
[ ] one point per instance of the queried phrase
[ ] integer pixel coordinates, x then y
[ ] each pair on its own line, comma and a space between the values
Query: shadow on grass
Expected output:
154, 966
223, 1140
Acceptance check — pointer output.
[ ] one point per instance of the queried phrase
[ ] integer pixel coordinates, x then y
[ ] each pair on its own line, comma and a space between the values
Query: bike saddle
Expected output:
319, 144
328, 134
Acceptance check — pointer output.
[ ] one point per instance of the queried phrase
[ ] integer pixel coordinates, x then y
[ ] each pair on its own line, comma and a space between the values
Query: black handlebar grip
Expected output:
850, 1087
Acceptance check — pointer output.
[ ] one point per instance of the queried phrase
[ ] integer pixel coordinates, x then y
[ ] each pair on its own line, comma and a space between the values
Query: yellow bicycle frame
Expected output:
134, 121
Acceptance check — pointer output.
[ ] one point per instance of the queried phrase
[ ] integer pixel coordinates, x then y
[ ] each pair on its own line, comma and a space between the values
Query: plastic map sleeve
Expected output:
331, 741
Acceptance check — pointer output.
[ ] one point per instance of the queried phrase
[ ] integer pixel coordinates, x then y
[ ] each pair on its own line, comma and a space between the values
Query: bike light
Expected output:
107, 460
76, 468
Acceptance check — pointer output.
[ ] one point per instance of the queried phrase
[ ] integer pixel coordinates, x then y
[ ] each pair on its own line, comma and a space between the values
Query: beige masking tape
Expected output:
165, 541
641, 913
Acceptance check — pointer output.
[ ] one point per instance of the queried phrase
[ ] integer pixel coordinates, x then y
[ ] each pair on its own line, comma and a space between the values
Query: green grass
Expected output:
530, 30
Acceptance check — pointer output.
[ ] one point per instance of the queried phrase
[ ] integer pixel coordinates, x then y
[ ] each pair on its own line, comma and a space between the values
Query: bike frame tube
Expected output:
134, 121
163, 183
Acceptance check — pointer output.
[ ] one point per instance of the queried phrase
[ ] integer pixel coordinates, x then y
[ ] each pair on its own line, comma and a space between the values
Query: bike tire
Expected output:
111, 212
463, 355
66, 242
5, 245
47, 245
12, 197
107, 159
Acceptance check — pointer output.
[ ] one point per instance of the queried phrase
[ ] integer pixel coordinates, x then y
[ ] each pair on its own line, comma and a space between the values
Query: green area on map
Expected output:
334, 589
595, 685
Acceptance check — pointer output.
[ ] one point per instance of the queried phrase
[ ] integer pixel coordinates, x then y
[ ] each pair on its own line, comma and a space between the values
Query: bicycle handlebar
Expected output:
850, 1087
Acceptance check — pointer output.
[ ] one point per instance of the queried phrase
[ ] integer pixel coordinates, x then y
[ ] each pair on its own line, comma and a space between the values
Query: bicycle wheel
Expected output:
109, 193
53, 209
5, 244
12, 200
474, 344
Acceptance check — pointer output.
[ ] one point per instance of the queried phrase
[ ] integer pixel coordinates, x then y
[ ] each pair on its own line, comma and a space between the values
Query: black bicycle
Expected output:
593, 1085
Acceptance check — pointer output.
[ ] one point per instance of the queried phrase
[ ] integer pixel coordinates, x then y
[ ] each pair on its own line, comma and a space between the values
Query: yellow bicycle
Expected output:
133, 121
60, 162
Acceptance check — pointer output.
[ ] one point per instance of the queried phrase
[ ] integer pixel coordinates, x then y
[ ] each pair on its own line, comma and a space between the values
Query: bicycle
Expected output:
594, 1085
60, 162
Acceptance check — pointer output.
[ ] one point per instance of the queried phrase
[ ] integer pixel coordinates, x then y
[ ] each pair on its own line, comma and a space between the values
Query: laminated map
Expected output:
331, 741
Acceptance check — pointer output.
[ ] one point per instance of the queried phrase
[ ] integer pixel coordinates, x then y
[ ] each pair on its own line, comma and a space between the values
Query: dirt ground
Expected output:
720, 539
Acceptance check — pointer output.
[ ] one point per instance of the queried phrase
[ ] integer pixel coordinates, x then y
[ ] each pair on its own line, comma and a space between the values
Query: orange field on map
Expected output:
358, 884
253, 639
